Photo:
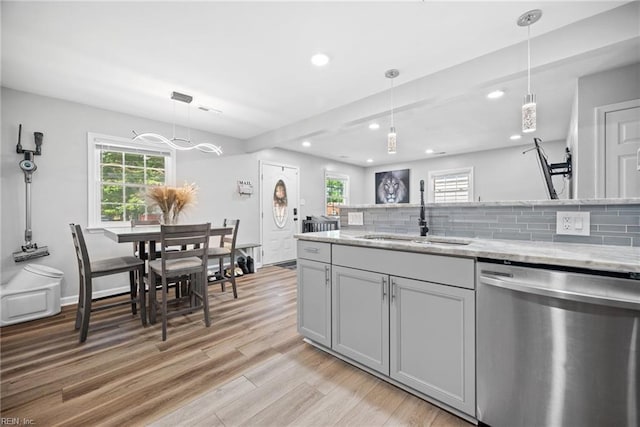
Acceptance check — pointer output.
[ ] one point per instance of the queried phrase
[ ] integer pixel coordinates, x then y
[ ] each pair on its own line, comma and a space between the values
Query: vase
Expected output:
169, 218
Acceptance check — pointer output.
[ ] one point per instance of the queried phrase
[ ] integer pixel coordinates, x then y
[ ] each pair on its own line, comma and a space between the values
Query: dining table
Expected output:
143, 235
148, 235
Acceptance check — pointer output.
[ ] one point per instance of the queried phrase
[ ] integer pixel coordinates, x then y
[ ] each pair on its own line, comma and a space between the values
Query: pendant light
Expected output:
181, 144
391, 136
529, 105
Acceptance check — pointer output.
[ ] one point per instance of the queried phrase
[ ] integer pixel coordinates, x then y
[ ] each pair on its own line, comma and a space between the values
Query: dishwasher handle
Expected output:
512, 285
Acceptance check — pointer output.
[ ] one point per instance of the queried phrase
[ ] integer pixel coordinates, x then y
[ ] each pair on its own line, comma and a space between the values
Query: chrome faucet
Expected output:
422, 222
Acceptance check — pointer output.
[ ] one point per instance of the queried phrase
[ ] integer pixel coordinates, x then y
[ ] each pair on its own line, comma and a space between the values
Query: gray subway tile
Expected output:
616, 219
540, 237
596, 240
539, 226
511, 236
612, 228
617, 241
537, 219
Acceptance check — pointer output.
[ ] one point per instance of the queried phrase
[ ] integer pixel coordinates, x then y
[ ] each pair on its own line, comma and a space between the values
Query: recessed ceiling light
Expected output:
374, 126
306, 144
369, 160
495, 94
515, 137
429, 151
319, 59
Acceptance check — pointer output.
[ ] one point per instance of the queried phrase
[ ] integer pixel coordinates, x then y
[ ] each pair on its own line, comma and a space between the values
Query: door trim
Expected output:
261, 164
600, 131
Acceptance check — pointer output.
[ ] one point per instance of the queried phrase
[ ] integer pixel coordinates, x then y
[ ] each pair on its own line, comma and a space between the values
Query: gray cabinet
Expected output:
360, 326
314, 293
433, 340
408, 316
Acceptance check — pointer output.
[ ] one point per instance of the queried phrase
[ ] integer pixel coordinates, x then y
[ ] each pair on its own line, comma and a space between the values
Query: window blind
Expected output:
451, 188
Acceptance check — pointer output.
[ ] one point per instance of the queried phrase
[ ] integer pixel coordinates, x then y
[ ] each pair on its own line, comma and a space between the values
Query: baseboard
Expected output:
98, 294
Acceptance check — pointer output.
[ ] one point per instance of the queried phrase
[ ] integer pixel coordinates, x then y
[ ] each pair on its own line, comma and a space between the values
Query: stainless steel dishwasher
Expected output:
557, 348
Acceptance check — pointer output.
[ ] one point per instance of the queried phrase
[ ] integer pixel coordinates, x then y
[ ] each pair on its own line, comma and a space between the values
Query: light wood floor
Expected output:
249, 368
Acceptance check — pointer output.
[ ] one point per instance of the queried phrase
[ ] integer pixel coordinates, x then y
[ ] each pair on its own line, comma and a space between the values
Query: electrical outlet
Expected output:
355, 218
573, 223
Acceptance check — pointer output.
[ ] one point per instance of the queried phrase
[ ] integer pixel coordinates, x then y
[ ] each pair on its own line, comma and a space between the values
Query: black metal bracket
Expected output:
28, 154
564, 168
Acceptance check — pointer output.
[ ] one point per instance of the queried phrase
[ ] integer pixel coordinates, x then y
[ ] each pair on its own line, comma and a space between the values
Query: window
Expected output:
451, 186
336, 192
119, 173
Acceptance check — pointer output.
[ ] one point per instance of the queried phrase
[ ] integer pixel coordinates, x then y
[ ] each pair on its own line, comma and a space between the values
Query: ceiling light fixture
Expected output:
515, 137
306, 144
374, 126
529, 105
429, 151
319, 59
369, 160
391, 136
177, 143
495, 94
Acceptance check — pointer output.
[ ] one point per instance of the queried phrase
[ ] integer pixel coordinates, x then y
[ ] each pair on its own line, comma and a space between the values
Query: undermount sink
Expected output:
433, 240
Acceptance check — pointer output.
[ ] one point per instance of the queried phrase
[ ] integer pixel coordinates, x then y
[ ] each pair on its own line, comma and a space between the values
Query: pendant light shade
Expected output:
181, 144
529, 113
391, 141
529, 106
391, 136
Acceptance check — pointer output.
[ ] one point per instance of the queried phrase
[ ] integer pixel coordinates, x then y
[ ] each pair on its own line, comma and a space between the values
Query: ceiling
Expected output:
251, 60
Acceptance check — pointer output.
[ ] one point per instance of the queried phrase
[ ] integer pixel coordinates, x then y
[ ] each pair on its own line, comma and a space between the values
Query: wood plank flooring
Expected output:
250, 367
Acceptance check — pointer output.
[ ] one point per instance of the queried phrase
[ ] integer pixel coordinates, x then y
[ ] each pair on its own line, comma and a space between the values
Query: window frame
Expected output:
336, 175
94, 142
433, 175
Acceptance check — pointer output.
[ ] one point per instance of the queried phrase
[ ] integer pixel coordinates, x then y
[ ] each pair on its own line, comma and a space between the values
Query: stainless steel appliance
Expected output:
557, 348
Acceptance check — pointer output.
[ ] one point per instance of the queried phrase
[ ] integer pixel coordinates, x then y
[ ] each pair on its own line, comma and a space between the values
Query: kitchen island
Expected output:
403, 307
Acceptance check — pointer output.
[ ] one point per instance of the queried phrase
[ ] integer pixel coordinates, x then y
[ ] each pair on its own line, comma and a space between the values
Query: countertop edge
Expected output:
617, 259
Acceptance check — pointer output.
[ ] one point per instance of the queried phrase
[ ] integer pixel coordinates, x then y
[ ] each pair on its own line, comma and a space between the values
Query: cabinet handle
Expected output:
327, 275
393, 289
384, 288
311, 250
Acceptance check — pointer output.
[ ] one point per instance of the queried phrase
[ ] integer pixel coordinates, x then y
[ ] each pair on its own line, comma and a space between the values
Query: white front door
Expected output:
622, 153
279, 212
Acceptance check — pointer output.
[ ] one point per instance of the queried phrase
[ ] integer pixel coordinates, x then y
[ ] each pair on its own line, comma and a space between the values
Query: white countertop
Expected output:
621, 259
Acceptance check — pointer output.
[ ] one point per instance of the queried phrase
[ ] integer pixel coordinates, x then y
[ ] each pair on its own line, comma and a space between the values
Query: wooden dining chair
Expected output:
176, 265
226, 248
88, 270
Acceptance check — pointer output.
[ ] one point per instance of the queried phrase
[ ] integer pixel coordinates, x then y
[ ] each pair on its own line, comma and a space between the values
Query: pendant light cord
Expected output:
391, 102
529, 58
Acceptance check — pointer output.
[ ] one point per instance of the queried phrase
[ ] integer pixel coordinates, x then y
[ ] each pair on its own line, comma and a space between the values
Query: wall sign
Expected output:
245, 187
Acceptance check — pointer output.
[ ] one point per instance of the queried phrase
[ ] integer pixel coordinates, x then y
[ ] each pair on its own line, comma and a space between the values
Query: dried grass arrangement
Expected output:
171, 200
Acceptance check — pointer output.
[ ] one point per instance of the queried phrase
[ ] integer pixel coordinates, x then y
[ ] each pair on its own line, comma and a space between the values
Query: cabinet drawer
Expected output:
443, 269
315, 251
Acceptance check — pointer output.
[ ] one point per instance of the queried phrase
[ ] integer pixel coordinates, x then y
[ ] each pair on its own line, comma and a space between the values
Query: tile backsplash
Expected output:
611, 223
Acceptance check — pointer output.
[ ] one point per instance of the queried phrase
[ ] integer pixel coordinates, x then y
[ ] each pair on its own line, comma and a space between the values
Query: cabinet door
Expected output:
360, 326
314, 301
433, 340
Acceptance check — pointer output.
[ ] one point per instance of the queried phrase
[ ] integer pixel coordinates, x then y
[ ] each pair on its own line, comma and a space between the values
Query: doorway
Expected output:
279, 211
620, 141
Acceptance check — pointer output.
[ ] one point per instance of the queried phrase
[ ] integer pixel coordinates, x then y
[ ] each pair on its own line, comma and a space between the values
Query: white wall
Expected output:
59, 189
596, 90
502, 174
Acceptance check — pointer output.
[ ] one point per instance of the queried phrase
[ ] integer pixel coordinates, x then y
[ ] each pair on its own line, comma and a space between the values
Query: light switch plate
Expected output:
573, 223
355, 218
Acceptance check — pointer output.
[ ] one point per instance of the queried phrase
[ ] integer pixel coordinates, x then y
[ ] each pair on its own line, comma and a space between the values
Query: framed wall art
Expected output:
392, 187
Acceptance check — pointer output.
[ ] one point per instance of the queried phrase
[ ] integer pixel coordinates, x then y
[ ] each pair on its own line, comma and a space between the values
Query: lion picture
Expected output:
392, 187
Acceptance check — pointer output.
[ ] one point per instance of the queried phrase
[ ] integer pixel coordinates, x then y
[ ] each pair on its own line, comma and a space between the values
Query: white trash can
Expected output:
33, 293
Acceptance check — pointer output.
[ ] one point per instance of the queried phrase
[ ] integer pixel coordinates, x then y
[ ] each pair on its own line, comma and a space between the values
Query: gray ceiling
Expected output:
251, 61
